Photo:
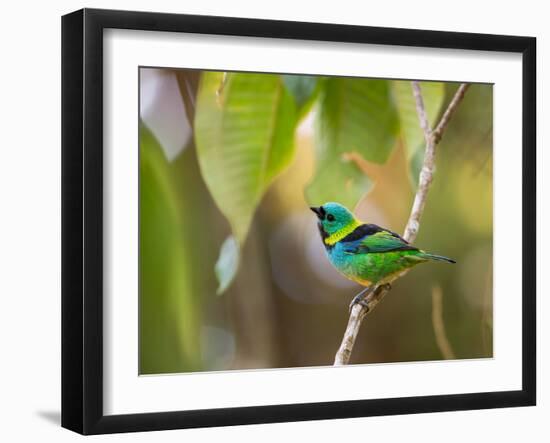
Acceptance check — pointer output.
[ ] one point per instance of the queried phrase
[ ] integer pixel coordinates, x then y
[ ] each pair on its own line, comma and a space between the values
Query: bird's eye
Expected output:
330, 217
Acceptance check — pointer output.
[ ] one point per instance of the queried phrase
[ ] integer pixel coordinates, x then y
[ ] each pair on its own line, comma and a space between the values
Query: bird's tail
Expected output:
437, 257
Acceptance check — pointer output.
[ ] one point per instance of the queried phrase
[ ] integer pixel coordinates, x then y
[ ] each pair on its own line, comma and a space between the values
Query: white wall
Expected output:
30, 219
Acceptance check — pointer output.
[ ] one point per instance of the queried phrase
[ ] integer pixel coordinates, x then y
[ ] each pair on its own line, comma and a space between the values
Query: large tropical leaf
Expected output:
353, 115
169, 313
357, 115
337, 179
244, 128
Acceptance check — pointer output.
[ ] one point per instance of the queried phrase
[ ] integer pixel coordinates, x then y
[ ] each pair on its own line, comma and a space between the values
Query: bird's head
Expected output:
333, 217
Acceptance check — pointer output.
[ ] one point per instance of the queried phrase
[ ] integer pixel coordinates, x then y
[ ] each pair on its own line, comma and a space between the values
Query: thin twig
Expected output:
442, 125
439, 326
426, 174
358, 312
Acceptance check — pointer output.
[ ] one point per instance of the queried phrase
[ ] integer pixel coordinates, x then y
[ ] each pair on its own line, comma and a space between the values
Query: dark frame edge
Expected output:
72, 221
529, 220
294, 30
309, 411
82, 222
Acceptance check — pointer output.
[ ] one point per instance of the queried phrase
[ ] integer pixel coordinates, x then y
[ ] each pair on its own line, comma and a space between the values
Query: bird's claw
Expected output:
360, 300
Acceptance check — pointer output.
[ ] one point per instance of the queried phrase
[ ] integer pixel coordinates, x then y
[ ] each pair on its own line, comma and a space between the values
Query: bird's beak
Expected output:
317, 211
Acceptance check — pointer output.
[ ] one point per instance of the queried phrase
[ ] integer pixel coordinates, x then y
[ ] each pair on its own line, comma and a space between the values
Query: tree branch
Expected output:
359, 312
442, 125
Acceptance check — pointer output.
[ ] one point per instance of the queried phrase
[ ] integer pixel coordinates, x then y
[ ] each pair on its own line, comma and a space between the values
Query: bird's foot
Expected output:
360, 299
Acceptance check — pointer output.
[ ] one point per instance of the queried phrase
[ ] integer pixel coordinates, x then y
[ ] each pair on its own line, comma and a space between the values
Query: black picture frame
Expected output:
82, 220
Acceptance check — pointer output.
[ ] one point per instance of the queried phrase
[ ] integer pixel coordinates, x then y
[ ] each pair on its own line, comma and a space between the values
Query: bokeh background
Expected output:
286, 306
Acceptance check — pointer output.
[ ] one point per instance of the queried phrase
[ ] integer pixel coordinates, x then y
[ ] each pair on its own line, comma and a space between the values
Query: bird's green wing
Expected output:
378, 240
384, 241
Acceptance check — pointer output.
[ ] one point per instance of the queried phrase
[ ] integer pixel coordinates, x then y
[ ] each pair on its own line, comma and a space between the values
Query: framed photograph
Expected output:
269, 221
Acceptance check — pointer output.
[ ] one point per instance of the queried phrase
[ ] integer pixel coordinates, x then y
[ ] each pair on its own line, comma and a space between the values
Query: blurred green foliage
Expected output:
261, 145
244, 126
228, 263
165, 272
304, 89
358, 115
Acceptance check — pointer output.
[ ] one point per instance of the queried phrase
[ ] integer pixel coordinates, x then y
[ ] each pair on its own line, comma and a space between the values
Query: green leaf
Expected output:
337, 180
357, 115
227, 264
303, 88
169, 312
433, 94
244, 130
353, 115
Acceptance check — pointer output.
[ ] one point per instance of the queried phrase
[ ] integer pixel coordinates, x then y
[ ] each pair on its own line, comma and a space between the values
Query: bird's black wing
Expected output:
372, 238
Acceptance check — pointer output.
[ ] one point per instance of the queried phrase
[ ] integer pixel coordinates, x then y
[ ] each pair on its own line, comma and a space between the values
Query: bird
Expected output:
364, 252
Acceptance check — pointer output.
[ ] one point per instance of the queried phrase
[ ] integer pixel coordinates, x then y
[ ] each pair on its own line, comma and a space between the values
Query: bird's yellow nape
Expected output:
339, 235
